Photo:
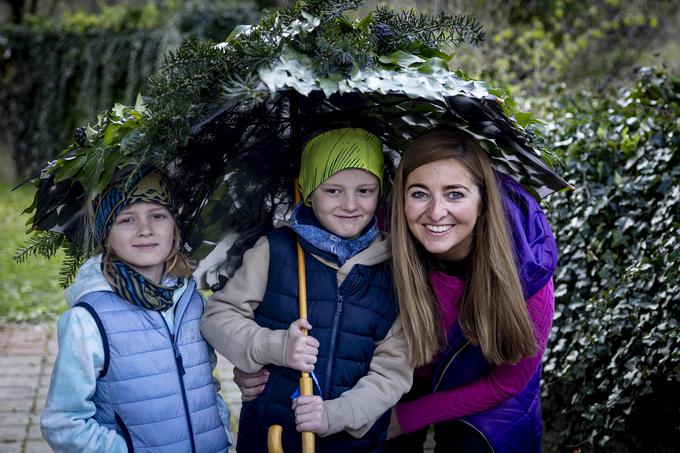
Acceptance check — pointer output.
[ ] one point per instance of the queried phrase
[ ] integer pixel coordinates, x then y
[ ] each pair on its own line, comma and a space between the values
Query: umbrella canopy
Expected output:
228, 132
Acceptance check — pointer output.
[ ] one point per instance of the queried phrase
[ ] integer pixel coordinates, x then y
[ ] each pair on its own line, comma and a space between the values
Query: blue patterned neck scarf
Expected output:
304, 223
137, 289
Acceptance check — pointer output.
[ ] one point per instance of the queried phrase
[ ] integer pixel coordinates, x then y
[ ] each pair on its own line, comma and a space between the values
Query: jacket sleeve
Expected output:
501, 384
68, 423
228, 322
390, 376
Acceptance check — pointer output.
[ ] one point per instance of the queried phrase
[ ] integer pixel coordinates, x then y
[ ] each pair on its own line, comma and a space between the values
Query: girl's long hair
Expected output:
492, 313
176, 263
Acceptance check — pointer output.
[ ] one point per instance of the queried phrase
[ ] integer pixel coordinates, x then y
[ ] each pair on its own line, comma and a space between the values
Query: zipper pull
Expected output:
178, 359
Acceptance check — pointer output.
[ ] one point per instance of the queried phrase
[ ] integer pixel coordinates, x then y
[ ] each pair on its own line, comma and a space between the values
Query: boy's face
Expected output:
142, 236
345, 203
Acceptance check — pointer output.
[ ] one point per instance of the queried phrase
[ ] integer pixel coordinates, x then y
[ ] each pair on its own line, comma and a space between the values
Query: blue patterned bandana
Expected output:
304, 222
147, 185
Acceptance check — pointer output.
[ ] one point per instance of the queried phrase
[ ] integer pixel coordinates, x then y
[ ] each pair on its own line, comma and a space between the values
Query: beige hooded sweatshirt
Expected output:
228, 325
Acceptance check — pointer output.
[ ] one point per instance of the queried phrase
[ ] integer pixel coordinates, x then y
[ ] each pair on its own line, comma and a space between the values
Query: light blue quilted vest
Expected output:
156, 389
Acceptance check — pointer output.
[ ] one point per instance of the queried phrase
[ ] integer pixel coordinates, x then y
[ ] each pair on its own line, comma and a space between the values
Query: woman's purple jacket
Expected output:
515, 425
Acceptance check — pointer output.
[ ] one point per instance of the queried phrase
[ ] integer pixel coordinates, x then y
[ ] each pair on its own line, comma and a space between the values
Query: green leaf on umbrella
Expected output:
401, 59
70, 167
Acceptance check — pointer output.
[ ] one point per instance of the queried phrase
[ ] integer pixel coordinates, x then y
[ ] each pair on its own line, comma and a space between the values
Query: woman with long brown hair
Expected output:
473, 258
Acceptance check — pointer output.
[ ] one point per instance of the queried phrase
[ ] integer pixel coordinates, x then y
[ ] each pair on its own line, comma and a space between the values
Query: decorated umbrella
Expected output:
227, 122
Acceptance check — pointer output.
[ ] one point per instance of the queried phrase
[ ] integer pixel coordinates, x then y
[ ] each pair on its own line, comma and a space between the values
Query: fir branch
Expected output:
73, 260
338, 47
237, 88
43, 243
329, 10
47, 244
408, 30
248, 52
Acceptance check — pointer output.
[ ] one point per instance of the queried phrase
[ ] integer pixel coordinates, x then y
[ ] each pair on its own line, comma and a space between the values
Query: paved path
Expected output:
27, 354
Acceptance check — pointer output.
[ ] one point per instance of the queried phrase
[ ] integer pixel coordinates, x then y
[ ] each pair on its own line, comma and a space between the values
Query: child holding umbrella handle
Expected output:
357, 350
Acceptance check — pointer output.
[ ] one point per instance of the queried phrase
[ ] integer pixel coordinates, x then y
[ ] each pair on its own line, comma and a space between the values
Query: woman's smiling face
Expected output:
442, 204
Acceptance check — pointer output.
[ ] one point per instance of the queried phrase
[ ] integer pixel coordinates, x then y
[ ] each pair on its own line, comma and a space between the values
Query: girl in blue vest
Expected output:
133, 372
356, 349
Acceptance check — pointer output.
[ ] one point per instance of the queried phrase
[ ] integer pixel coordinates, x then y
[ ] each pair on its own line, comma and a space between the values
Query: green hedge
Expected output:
56, 75
612, 371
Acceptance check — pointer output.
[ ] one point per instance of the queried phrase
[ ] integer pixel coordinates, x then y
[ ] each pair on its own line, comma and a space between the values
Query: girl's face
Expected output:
142, 236
442, 204
345, 203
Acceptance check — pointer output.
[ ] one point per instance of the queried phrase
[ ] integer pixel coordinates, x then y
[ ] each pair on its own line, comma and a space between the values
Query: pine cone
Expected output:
383, 35
80, 136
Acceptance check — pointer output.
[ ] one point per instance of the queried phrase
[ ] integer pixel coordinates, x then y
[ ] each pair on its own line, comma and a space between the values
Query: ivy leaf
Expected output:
111, 164
273, 77
70, 167
330, 84
110, 134
91, 133
524, 118
237, 31
364, 23
92, 171
140, 107
119, 110
401, 59
432, 65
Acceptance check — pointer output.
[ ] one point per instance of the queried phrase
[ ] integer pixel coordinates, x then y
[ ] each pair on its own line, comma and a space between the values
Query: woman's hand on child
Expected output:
251, 384
310, 414
394, 429
301, 350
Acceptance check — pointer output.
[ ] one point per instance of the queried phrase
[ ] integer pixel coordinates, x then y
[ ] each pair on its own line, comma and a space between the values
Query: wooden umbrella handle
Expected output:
274, 439
306, 386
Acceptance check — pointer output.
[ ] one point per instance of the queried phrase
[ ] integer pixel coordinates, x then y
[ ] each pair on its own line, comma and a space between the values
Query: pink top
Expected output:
503, 382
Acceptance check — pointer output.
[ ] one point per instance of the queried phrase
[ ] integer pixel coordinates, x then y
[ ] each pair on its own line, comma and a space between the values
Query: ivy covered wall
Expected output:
612, 367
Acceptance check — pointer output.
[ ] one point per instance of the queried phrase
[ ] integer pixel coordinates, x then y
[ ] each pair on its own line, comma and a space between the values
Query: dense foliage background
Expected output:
612, 368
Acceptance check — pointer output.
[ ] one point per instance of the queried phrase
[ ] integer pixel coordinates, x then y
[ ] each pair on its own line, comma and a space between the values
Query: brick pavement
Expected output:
27, 354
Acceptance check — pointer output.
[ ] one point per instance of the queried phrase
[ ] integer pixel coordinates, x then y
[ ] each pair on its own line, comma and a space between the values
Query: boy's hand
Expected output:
310, 414
301, 350
250, 384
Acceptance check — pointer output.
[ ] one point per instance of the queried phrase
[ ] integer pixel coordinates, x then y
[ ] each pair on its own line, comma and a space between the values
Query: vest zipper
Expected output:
180, 373
178, 358
439, 381
331, 354
453, 357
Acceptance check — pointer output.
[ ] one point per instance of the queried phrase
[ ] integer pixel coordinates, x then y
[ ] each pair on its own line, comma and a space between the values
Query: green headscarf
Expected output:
336, 150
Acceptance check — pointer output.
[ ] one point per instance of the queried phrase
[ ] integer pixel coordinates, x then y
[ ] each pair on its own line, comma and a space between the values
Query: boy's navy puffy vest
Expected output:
156, 390
347, 321
513, 426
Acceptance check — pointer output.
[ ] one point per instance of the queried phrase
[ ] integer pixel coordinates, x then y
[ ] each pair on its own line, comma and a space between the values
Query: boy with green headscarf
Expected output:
356, 349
